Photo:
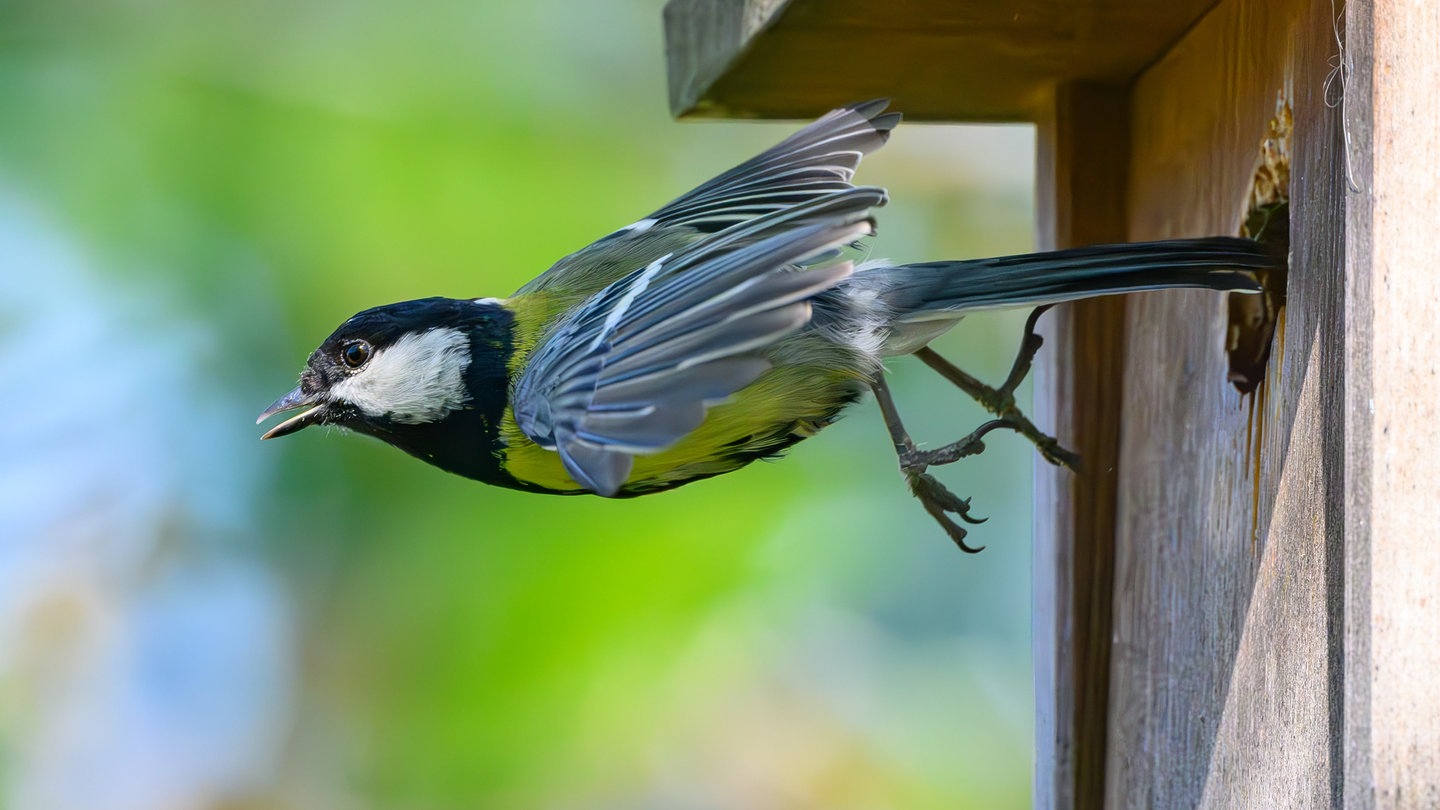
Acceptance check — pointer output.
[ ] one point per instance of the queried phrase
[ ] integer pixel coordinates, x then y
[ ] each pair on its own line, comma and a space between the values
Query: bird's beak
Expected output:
289, 402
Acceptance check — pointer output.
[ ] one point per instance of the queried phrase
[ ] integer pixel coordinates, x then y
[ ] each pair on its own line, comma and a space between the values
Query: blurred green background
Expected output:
193, 194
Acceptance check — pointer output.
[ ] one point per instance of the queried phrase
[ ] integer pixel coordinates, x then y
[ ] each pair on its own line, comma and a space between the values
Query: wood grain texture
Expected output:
1227, 649
1274, 631
940, 60
1081, 171
1392, 685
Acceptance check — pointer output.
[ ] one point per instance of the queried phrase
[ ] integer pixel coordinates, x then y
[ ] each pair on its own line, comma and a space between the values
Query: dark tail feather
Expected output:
914, 291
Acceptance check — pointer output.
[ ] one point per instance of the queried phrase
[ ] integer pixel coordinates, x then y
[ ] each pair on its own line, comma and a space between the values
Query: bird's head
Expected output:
392, 369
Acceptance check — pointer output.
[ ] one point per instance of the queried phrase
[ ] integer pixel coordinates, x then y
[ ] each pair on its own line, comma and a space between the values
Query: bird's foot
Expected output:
914, 459
1001, 401
938, 501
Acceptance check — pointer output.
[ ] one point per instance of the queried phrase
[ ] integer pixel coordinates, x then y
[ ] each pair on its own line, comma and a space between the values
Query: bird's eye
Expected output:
355, 353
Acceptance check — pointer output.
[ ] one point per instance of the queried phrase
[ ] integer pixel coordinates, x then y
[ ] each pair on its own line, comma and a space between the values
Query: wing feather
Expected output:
633, 370
818, 160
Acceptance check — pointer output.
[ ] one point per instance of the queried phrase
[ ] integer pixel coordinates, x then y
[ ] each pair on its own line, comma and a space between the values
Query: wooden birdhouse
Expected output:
1238, 604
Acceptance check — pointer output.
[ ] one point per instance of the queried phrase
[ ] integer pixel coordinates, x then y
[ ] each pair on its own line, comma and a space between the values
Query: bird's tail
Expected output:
923, 300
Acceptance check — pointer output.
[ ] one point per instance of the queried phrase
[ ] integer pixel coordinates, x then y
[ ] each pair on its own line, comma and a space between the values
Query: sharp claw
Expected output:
956, 532
953, 503
940, 503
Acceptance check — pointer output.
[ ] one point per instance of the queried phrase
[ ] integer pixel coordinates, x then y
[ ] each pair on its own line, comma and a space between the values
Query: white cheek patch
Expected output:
419, 378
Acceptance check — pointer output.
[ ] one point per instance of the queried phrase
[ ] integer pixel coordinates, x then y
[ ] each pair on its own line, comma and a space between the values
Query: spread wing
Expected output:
633, 369
818, 161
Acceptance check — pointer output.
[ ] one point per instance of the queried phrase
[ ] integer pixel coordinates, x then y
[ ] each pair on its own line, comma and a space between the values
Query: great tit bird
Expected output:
723, 328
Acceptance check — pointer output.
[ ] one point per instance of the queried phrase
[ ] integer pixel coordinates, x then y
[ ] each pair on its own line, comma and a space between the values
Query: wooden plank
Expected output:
1227, 652
1082, 160
941, 60
1392, 408
1276, 631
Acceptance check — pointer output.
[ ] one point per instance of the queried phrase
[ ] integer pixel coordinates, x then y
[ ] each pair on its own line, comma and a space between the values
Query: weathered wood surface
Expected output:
1227, 653
945, 60
1276, 621
1392, 408
1080, 175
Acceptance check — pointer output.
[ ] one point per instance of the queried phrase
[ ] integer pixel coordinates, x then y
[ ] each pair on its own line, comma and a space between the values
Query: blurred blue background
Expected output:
193, 194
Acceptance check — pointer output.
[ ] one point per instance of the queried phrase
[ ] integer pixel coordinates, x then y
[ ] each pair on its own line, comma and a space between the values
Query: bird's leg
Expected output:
1001, 401
938, 501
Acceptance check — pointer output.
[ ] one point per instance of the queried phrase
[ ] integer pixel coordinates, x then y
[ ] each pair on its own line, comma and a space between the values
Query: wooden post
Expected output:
1238, 605
1225, 654
1080, 173
1391, 473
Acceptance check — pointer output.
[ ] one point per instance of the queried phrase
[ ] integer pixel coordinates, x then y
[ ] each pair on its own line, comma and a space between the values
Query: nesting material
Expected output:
1254, 318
